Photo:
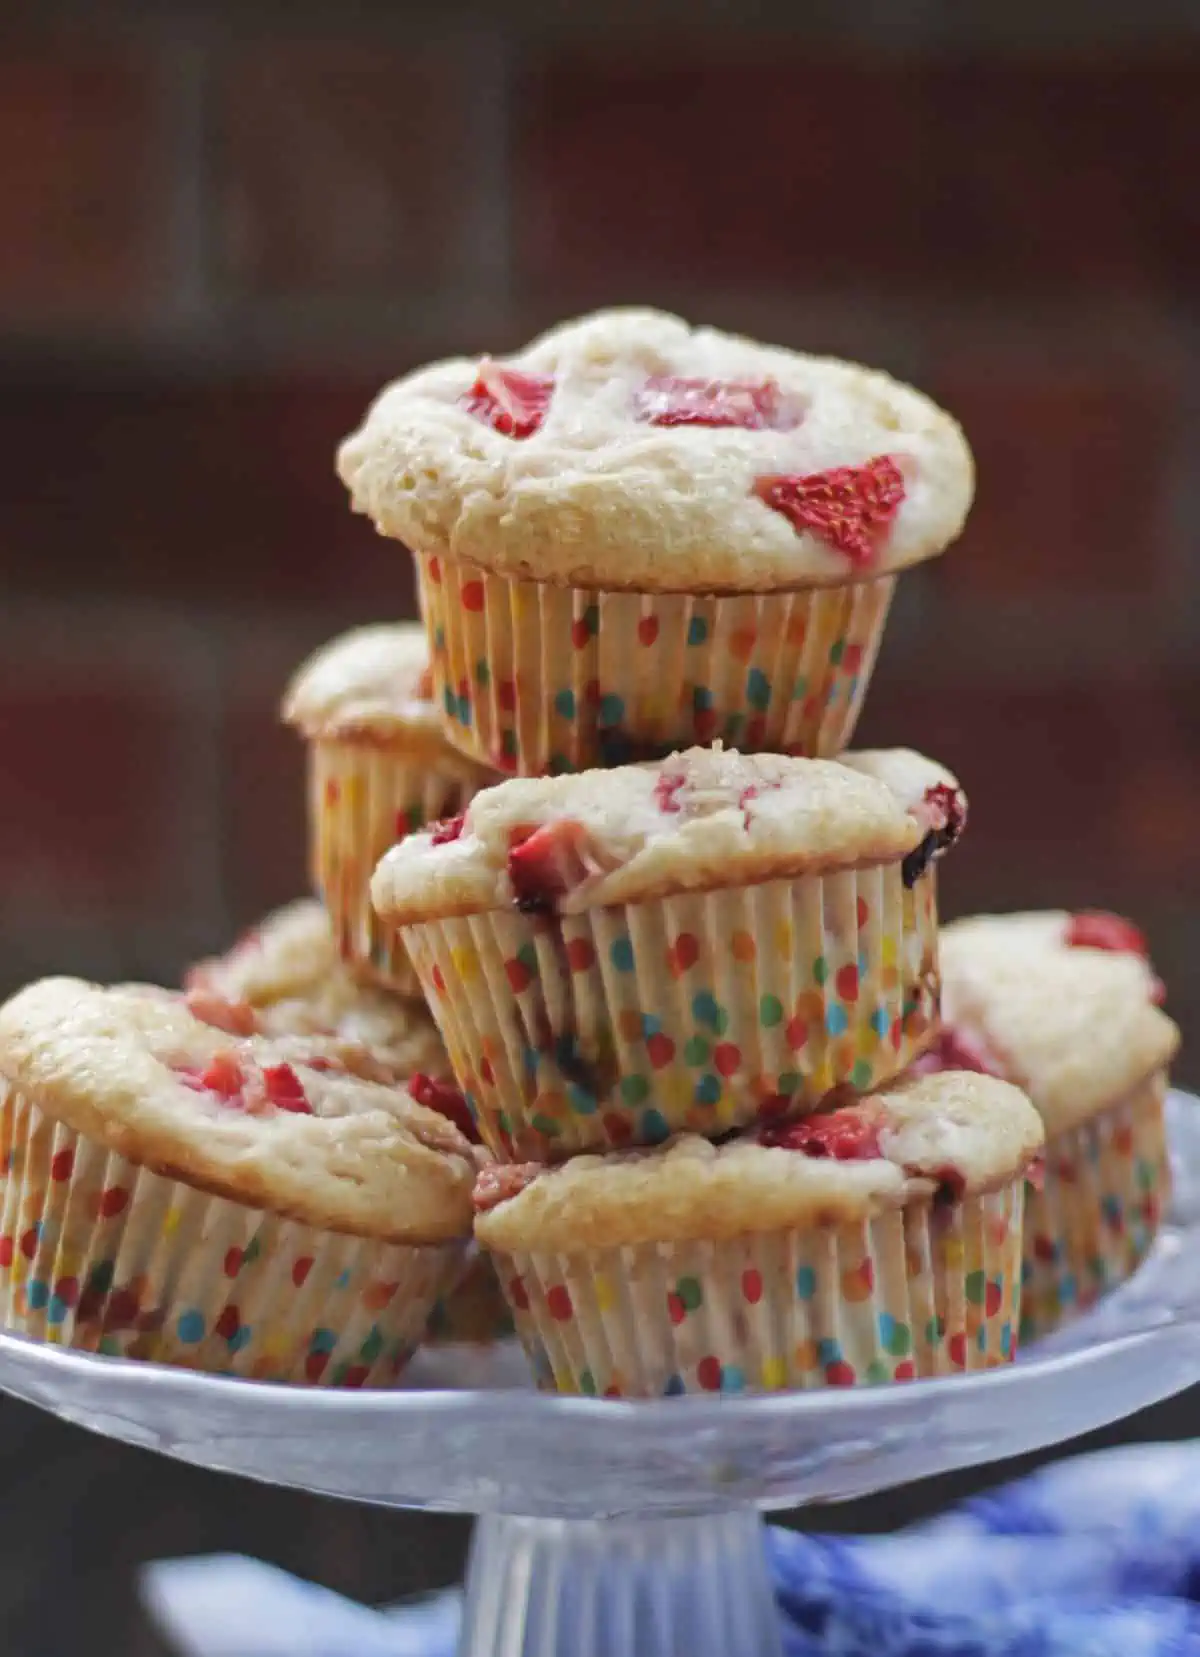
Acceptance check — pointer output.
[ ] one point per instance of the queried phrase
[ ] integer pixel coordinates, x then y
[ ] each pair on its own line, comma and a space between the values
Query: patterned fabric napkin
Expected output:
1093, 1557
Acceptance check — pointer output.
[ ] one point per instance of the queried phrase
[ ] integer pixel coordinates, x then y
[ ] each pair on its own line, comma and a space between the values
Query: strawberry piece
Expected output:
850, 507
953, 1050
285, 1090
671, 400
447, 1100
1096, 929
749, 794
944, 810
509, 401
666, 791
500, 1181
223, 1075
236, 1018
450, 828
847, 1135
545, 863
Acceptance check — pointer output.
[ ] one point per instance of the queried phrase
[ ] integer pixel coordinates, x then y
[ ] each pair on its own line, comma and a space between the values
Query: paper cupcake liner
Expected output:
535, 678
700, 1012
475, 1312
1107, 1184
927, 1290
99, 1253
364, 797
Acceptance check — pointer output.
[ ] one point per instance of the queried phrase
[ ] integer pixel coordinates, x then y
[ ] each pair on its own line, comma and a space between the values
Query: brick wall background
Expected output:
225, 225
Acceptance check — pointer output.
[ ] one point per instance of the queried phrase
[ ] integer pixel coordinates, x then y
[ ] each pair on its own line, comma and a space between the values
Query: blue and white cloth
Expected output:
1093, 1557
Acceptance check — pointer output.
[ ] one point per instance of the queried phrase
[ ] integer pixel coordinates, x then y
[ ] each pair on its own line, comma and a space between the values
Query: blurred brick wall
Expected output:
224, 227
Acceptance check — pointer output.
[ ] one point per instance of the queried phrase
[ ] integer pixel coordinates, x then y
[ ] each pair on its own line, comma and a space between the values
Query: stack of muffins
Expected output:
620, 1013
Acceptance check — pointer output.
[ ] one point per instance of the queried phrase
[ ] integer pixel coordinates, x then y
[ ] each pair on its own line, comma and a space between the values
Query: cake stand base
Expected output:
674, 1587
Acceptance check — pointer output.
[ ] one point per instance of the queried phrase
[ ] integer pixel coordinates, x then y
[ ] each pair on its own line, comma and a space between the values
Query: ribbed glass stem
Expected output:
688, 1587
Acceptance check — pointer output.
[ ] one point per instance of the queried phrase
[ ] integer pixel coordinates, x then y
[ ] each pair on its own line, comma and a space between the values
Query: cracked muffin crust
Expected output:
950, 1136
627, 450
286, 978
697, 821
1072, 1022
275, 1124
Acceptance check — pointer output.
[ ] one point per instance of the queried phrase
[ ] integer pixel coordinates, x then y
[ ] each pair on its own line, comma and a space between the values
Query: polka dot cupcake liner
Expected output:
700, 1012
475, 1313
535, 678
101, 1254
363, 798
923, 1291
1106, 1186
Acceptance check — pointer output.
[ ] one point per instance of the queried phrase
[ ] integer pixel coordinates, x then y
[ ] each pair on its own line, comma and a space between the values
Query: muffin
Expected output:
690, 945
876, 1241
286, 978
635, 535
234, 1205
379, 768
1062, 1005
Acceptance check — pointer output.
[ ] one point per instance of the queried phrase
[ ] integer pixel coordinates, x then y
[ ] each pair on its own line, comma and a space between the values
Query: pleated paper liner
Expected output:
927, 1290
364, 797
537, 678
1107, 1184
99, 1253
475, 1313
700, 1012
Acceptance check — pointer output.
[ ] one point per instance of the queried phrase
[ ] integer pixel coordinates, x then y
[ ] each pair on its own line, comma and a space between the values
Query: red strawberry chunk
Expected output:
671, 400
447, 1100
285, 1090
547, 862
749, 794
847, 1135
509, 401
450, 828
224, 1075
500, 1181
943, 808
236, 1018
1095, 929
666, 791
851, 507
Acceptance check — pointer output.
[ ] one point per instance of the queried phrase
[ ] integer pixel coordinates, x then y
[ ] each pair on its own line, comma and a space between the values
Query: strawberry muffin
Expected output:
238, 1205
876, 1241
691, 945
286, 978
1064, 1006
379, 768
635, 535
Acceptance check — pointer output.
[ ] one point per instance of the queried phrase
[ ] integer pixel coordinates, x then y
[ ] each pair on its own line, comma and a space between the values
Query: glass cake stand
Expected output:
631, 1529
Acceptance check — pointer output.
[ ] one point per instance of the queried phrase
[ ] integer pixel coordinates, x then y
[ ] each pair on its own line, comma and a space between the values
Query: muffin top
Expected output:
629, 450
703, 819
285, 978
1062, 1005
941, 1137
373, 685
274, 1123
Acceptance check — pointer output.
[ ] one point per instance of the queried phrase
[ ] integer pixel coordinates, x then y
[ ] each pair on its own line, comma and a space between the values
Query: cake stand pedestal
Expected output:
631, 1529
